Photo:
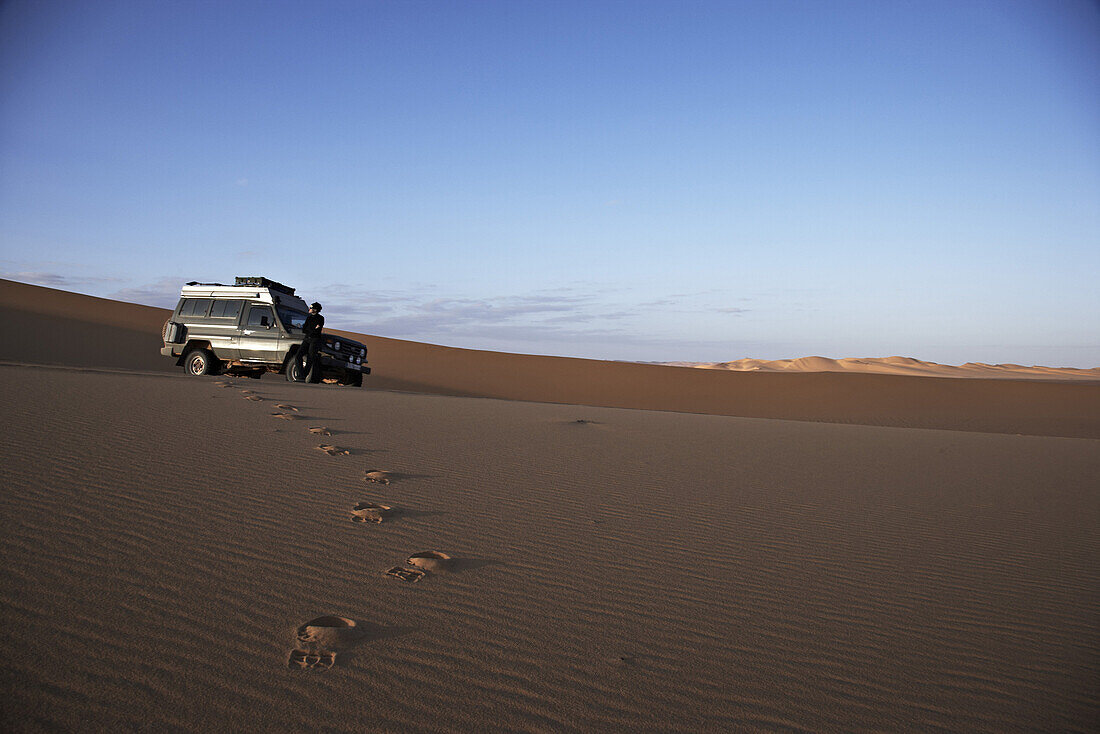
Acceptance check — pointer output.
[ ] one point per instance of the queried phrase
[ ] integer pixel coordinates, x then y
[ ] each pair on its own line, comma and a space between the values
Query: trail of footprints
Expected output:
321, 639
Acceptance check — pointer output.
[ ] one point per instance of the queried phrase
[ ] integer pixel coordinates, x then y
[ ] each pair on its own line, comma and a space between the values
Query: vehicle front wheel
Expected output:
294, 370
201, 362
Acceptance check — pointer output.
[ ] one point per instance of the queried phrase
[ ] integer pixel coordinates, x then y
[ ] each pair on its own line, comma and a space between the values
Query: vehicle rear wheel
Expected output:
201, 362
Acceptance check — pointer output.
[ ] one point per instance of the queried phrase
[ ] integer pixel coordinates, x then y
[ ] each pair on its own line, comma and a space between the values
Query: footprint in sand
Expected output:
253, 398
406, 574
423, 563
320, 640
430, 561
370, 512
284, 416
223, 384
378, 476
332, 450
306, 660
282, 406
320, 431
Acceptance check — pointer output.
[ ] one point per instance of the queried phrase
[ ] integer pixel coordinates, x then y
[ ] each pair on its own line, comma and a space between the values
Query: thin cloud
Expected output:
164, 292
427, 315
57, 280
410, 316
577, 313
686, 300
598, 343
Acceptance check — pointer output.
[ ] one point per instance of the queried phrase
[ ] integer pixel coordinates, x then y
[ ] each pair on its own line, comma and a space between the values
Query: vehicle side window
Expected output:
223, 309
195, 306
257, 314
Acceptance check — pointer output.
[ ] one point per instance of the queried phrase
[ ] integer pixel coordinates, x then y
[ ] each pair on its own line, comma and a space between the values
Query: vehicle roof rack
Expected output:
258, 281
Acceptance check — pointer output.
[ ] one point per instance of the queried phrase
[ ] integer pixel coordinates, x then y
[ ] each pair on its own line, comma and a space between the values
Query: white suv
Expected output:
251, 327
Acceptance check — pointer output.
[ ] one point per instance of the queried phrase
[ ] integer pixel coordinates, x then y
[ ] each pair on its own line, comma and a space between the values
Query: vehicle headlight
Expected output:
363, 352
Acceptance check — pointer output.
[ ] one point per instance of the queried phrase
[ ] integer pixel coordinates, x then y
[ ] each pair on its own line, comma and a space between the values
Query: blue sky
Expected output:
619, 180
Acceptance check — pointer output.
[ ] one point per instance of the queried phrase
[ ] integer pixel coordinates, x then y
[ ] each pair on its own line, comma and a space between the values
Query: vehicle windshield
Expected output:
292, 320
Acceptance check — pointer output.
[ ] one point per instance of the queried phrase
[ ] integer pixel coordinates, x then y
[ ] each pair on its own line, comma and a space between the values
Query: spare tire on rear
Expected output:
172, 332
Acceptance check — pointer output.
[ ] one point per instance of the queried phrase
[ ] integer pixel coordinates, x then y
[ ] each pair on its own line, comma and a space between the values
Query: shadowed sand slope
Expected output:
49, 326
176, 560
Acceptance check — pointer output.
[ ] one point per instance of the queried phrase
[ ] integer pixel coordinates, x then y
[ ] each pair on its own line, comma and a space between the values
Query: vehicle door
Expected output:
223, 325
291, 321
260, 335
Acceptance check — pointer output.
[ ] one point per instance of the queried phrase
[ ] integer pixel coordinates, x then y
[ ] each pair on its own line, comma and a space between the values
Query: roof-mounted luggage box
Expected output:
258, 281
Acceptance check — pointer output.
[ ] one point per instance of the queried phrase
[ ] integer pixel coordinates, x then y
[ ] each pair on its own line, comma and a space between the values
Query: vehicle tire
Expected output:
294, 369
201, 362
352, 379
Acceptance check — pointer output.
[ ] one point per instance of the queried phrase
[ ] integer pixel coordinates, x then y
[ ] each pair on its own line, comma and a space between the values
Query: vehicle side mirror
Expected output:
264, 322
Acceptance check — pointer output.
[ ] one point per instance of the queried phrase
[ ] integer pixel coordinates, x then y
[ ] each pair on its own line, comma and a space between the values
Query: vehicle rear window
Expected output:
225, 309
256, 314
194, 306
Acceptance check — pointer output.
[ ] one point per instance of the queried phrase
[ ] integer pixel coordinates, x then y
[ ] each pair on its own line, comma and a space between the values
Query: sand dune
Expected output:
176, 559
900, 366
42, 325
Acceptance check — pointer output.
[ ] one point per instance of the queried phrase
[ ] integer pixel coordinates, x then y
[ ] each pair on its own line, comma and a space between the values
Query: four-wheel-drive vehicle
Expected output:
251, 327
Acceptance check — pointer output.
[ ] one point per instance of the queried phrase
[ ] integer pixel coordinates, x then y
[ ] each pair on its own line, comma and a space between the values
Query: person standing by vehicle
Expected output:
312, 328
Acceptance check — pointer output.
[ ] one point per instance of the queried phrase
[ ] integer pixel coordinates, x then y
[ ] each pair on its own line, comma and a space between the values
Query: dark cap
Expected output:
315, 305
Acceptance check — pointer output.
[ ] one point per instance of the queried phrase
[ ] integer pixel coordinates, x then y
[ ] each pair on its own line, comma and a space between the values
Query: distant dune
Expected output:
899, 366
227, 554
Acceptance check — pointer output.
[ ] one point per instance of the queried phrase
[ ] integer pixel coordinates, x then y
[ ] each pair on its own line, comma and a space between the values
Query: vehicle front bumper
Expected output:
328, 360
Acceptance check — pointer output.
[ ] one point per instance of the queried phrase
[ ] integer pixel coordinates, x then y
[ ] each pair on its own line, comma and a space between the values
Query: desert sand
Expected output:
614, 547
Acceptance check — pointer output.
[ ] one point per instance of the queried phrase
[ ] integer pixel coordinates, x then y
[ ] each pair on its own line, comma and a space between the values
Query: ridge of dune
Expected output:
46, 326
899, 366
